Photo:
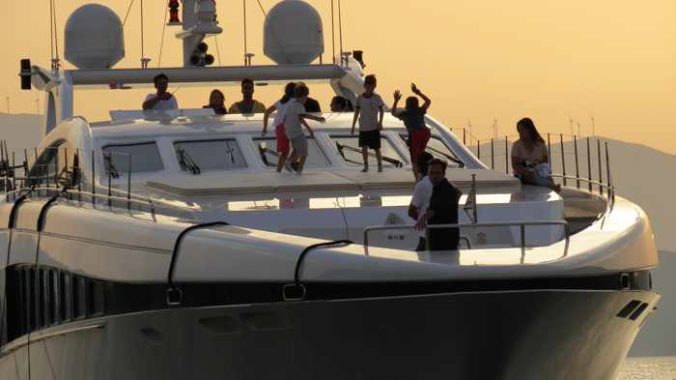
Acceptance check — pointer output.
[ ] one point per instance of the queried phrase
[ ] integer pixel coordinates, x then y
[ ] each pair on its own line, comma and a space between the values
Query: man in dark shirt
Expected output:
443, 209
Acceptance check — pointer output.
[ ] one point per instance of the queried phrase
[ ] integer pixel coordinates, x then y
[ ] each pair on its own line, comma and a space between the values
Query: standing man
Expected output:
162, 100
443, 209
248, 105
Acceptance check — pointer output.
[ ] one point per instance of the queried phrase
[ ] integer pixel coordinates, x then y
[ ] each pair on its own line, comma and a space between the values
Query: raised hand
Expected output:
415, 89
397, 96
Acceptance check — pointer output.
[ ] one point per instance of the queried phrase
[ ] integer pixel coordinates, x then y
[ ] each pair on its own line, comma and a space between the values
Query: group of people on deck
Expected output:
530, 162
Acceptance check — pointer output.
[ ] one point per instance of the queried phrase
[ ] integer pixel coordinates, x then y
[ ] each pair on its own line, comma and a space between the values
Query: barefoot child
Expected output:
413, 117
281, 106
295, 116
369, 110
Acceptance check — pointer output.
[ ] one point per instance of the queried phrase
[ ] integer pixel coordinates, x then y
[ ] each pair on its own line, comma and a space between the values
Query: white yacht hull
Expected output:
521, 334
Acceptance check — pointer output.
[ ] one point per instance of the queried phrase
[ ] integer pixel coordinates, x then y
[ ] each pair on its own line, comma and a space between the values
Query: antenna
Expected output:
593, 126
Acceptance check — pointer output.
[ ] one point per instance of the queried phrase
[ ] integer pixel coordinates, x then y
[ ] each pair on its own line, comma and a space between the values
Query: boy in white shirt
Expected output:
369, 110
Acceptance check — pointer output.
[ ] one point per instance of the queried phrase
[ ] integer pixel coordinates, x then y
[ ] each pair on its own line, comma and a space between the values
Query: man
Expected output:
162, 100
248, 105
443, 209
421, 195
311, 105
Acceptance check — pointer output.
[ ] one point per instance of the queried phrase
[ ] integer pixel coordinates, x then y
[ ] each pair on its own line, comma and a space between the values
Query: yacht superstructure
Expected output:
165, 246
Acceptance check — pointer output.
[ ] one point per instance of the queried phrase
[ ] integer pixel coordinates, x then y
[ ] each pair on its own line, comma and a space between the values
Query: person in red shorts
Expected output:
413, 116
279, 108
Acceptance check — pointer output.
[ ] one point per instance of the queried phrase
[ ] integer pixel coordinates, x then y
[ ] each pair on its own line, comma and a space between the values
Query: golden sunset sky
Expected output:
479, 60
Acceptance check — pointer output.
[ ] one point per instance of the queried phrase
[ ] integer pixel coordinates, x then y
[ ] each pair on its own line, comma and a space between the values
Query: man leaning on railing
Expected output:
443, 209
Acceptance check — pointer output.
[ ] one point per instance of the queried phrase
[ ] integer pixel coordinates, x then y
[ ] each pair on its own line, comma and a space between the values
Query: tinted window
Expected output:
438, 149
267, 147
210, 155
348, 147
144, 158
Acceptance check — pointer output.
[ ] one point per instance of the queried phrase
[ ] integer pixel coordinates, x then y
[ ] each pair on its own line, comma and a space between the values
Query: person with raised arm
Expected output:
369, 110
413, 116
161, 100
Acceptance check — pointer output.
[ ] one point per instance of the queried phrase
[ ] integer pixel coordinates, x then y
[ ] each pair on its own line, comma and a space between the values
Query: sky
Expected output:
480, 61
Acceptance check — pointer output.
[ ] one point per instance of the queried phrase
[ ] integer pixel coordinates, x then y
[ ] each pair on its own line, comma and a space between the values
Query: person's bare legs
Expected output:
365, 158
379, 157
281, 161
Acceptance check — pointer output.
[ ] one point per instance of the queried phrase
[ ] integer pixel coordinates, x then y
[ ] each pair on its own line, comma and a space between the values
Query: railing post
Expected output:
598, 151
563, 159
492, 153
522, 230
549, 149
577, 165
129, 184
110, 178
611, 185
478, 149
589, 172
464, 137
507, 155
93, 177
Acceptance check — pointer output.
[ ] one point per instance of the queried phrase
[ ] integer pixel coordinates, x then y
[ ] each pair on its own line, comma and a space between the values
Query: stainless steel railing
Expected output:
521, 224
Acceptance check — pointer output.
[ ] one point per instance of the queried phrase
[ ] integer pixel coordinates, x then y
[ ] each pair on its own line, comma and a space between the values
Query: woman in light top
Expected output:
530, 161
217, 103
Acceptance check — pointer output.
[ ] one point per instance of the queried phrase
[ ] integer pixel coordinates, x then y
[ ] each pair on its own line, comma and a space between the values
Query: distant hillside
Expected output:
20, 131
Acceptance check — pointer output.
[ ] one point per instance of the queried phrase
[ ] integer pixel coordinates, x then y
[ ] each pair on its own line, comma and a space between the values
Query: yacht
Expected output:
164, 245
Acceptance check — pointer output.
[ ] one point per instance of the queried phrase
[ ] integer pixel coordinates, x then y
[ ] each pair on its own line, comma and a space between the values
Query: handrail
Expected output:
174, 294
296, 291
521, 224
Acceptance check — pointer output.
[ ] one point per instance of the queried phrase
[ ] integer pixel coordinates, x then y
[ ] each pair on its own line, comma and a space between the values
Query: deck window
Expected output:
437, 148
348, 148
209, 155
267, 147
144, 157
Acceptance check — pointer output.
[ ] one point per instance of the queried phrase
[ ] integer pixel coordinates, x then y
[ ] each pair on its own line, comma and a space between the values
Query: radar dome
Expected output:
293, 33
94, 38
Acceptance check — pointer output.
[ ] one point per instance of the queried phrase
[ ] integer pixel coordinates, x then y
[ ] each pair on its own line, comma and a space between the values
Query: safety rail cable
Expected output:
521, 224
174, 293
297, 290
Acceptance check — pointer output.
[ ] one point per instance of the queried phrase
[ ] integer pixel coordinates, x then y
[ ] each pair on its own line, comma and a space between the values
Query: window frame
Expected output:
150, 142
225, 139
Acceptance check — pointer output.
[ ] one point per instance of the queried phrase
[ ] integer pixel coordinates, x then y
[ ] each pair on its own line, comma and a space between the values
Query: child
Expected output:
295, 116
413, 117
281, 106
370, 111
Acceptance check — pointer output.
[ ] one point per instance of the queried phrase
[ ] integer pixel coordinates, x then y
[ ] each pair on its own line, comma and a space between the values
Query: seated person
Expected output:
162, 100
341, 104
248, 105
217, 103
311, 105
530, 161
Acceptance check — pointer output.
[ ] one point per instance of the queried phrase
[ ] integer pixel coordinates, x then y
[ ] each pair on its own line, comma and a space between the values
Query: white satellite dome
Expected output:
94, 38
293, 33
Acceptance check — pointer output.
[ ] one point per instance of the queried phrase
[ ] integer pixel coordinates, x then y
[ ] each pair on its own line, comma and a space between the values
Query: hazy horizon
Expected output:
479, 61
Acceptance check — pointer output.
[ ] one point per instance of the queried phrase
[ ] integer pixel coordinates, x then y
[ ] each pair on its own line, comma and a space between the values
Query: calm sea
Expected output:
656, 368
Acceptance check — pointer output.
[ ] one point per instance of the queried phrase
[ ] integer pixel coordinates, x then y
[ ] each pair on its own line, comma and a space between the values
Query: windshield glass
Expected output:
437, 148
209, 155
144, 158
348, 148
267, 147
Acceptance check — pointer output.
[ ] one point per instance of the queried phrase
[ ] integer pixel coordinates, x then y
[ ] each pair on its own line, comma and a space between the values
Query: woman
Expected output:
529, 157
217, 103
